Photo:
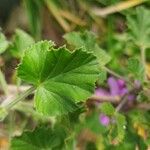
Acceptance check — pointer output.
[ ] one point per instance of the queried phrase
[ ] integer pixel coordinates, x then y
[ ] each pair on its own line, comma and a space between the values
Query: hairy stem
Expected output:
122, 103
117, 75
112, 99
125, 98
114, 73
20, 97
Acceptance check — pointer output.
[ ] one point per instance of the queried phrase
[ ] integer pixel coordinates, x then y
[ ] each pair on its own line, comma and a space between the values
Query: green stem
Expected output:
143, 59
3, 83
117, 75
19, 98
113, 73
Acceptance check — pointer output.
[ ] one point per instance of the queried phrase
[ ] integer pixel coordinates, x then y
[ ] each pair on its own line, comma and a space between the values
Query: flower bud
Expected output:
104, 120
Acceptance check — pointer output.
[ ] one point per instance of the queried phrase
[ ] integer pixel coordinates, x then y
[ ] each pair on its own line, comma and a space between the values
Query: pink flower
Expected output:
117, 87
101, 92
121, 83
113, 85
104, 120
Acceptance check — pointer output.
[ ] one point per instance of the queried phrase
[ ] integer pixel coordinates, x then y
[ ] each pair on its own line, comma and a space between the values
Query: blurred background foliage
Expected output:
51, 19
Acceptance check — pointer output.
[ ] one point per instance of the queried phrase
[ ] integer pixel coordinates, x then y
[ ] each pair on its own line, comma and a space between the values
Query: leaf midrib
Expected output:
61, 73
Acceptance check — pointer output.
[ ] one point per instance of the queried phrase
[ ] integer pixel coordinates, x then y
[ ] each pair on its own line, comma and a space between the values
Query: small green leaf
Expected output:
41, 138
136, 69
121, 126
62, 78
79, 39
92, 122
21, 40
139, 27
102, 56
88, 40
3, 43
107, 108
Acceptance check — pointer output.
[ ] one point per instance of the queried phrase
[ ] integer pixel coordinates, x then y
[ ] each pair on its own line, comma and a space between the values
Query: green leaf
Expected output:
88, 40
139, 27
62, 78
3, 43
102, 76
135, 68
102, 56
130, 141
33, 8
121, 126
79, 39
21, 40
41, 138
92, 122
138, 117
107, 108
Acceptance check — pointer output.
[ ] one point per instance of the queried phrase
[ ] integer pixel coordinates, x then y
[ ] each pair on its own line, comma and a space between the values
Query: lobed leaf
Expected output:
21, 40
139, 27
62, 78
41, 138
107, 108
102, 77
121, 126
135, 68
88, 40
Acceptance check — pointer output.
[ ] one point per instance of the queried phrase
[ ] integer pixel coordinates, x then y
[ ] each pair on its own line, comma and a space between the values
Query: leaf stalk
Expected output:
20, 97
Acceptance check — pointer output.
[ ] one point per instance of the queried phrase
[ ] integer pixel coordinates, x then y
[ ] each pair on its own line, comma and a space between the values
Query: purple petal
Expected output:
123, 91
104, 120
113, 85
101, 92
121, 83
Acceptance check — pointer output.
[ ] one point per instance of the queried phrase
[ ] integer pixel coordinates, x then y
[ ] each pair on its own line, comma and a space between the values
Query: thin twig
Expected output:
113, 73
13, 89
17, 99
125, 98
55, 12
112, 99
122, 103
71, 17
117, 75
117, 7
